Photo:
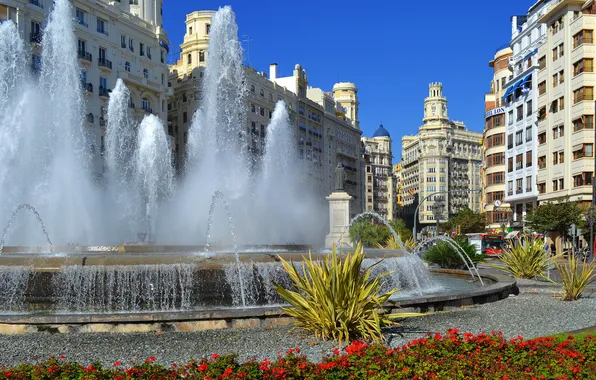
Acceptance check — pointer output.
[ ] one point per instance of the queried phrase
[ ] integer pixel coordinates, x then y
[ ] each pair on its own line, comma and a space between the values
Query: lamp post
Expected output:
591, 219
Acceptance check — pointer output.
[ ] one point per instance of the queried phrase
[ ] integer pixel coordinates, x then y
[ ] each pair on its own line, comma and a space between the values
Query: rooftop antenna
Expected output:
247, 39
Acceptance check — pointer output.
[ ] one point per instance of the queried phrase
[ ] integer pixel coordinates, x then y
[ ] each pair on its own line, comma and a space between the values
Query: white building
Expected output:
116, 39
521, 99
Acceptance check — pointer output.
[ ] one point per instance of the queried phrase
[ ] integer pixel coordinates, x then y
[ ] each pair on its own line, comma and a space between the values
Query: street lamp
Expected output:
591, 219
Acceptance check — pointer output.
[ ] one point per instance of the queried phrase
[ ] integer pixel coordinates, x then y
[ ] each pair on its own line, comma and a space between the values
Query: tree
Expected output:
557, 217
467, 220
371, 234
402, 230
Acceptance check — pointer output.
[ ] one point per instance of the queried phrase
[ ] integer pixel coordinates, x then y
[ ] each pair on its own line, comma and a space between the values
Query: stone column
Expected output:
339, 218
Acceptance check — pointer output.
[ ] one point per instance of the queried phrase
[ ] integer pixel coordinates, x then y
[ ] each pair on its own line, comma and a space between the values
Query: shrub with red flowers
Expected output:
436, 356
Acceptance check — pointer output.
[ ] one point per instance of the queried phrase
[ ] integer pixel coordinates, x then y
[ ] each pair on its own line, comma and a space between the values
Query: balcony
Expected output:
35, 37
102, 62
85, 56
87, 86
104, 92
147, 109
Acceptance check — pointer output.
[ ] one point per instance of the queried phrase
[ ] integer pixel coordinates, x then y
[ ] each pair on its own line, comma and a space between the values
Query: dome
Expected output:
381, 132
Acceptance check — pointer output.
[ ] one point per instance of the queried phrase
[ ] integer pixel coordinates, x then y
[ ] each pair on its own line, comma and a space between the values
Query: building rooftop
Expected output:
381, 132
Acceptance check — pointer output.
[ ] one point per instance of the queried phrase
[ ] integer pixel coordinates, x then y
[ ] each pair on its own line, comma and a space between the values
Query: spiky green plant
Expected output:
392, 243
527, 259
575, 277
336, 298
446, 255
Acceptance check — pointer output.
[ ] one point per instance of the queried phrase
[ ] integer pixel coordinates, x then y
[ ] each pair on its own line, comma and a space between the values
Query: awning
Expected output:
512, 89
511, 235
577, 147
526, 79
531, 53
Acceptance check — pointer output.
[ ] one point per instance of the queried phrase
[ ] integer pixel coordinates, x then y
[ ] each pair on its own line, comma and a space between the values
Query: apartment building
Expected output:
115, 40
326, 125
521, 97
566, 80
380, 191
496, 210
441, 165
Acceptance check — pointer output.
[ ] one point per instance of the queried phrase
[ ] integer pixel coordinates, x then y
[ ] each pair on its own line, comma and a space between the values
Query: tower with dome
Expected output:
379, 194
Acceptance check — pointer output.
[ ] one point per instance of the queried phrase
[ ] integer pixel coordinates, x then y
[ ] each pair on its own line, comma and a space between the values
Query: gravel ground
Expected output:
529, 315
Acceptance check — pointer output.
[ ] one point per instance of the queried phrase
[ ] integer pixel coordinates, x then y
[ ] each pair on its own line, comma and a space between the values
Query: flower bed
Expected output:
450, 356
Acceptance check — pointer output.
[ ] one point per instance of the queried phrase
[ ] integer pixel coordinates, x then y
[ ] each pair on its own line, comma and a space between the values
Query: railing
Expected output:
87, 86
528, 189
35, 37
510, 192
80, 21
103, 92
102, 62
84, 55
582, 40
581, 98
147, 109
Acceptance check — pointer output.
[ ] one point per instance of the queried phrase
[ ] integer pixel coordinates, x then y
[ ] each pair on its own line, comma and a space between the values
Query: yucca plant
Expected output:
336, 298
392, 243
527, 259
574, 276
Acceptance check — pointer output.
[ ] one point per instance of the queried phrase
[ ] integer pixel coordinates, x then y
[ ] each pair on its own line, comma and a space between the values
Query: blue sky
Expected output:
392, 50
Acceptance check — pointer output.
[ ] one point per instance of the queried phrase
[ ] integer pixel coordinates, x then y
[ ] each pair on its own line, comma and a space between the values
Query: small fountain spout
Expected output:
10, 222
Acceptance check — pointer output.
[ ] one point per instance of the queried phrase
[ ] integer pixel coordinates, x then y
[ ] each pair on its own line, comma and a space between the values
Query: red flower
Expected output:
203, 367
117, 364
452, 331
214, 356
90, 368
8, 374
62, 357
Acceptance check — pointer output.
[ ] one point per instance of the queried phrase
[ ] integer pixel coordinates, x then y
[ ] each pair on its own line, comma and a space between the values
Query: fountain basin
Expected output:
173, 288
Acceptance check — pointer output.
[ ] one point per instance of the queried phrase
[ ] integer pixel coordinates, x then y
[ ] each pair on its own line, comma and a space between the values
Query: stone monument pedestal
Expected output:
339, 219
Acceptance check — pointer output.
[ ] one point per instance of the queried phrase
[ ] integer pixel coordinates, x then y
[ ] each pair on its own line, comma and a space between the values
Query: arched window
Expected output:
169, 84
252, 108
262, 93
184, 98
252, 88
146, 105
127, 66
201, 56
189, 60
146, 73
270, 97
163, 78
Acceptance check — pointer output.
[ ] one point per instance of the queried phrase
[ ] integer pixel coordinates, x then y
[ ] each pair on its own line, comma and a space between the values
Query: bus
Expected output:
490, 244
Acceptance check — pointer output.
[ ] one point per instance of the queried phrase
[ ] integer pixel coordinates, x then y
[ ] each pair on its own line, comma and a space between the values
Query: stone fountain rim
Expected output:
501, 287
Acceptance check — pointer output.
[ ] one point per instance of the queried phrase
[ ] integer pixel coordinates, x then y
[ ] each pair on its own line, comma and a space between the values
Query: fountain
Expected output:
50, 160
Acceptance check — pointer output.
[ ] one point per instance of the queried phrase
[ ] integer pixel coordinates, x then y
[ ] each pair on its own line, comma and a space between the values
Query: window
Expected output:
541, 88
189, 59
529, 108
586, 150
201, 56
495, 178
528, 159
542, 162
252, 89
555, 133
123, 41
520, 113
561, 184
190, 30
509, 164
162, 56
102, 26
149, 52
542, 62
555, 80
584, 122
555, 185
554, 106
519, 139
163, 79
561, 130
528, 134
555, 158
509, 141
495, 159
582, 179
253, 109
561, 50
510, 188
262, 111
519, 185
81, 17
131, 45
184, 117
583, 37
542, 138
583, 65
528, 184
561, 103
184, 98
82, 47
146, 73
127, 66
541, 188
495, 140
262, 93
133, 2
103, 83
561, 157
561, 76
519, 162
207, 28
584, 93
555, 54
510, 117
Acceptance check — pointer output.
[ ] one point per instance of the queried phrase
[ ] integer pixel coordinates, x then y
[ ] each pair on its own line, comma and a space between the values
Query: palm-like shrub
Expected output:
527, 259
575, 277
446, 256
336, 298
392, 243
